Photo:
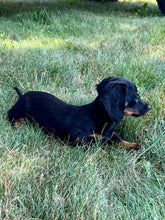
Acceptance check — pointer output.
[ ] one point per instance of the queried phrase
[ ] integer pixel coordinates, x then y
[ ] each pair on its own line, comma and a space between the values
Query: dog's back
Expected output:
45, 109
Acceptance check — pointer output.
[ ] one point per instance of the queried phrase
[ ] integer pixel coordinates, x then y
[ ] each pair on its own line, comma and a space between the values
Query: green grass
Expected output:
66, 48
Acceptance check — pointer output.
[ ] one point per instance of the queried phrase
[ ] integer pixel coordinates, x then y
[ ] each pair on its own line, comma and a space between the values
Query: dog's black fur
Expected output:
116, 97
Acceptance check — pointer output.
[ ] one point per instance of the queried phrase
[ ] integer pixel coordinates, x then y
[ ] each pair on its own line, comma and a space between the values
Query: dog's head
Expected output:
119, 97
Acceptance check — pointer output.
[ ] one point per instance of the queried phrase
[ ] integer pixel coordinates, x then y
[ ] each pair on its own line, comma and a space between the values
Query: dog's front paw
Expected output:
136, 146
131, 146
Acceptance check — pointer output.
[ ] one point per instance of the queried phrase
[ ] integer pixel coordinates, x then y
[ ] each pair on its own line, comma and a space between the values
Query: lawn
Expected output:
66, 48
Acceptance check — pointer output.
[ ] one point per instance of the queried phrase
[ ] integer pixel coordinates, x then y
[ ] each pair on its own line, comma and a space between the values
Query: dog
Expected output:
117, 97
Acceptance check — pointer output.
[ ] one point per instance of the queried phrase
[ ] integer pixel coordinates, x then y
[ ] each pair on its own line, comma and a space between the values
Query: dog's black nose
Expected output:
149, 107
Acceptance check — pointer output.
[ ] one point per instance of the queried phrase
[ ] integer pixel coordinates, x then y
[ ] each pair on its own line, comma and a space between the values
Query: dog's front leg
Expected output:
126, 144
109, 129
105, 137
112, 136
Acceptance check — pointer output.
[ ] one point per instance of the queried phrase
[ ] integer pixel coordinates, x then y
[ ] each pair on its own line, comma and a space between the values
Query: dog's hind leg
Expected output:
17, 113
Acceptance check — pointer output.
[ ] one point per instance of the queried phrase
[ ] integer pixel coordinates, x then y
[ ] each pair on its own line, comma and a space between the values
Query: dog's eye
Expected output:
132, 103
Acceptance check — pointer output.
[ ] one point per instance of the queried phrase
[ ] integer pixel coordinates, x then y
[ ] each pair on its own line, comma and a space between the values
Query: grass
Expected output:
66, 48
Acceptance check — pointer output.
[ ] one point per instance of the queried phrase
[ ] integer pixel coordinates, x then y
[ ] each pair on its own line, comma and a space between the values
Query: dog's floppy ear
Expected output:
112, 98
102, 85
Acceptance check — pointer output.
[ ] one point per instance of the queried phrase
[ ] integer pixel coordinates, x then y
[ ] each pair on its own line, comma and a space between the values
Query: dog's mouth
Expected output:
138, 115
135, 113
130, 112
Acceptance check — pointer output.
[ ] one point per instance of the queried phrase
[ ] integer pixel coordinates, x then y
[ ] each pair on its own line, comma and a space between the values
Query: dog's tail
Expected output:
19, 92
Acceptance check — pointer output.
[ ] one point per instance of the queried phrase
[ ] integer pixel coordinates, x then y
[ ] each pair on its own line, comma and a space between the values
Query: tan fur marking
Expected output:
95, 135
131, 146
18, 122
129, 112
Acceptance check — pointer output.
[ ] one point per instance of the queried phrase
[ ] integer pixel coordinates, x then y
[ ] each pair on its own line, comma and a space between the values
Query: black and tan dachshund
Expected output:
97, 120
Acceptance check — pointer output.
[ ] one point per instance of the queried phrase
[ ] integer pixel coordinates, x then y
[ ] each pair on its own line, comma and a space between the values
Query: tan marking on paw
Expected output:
18, 122
131, 146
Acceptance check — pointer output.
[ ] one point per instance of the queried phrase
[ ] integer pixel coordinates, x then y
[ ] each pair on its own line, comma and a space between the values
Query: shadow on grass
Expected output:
140, 9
